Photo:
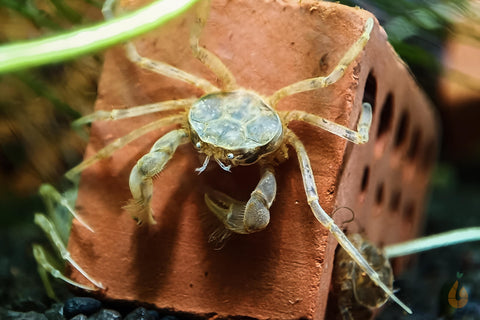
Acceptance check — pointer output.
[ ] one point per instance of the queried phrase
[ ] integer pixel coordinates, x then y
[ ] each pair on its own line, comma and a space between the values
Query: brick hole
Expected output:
414, 143
365, 177
370, 92
394, 203
401, 133
386, 116
379, 194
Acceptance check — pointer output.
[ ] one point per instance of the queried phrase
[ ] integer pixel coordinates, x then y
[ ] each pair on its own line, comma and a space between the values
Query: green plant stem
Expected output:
18, 56
432, 242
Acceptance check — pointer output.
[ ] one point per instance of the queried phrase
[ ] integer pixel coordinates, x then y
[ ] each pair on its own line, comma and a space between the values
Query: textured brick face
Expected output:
284, 271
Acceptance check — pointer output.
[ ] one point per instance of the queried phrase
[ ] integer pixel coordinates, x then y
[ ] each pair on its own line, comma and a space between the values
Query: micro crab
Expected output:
232, 126
357, 296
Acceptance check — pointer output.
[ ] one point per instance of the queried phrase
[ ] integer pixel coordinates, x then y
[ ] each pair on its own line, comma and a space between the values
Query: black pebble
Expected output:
143, 314
169, 318
106, 314
55, 312
77, 305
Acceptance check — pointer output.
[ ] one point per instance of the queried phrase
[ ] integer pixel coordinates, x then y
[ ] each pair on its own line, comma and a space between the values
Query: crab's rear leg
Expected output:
46, 266
141, 184
334, 76
358, 137
51, 197
246, 217
159, 67
54, 202
206, 57
45, 224
327, 222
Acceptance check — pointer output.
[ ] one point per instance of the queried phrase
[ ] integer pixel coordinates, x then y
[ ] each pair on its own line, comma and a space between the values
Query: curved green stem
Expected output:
434, 241
17, 56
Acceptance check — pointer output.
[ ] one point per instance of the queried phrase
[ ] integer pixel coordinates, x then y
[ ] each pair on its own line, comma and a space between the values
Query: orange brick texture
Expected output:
284, 271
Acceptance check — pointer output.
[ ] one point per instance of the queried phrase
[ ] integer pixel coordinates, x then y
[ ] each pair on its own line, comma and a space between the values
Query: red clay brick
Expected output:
284, 271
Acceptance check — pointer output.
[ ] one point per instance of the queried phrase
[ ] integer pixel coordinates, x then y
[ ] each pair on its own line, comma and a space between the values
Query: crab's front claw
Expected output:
237, 216
250, 216
149, 166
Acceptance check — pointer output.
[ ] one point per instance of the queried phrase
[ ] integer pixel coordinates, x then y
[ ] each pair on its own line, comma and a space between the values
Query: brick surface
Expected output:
284, 271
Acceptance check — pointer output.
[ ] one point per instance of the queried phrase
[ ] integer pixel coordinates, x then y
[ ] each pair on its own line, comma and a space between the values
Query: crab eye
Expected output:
230, 156
198, 145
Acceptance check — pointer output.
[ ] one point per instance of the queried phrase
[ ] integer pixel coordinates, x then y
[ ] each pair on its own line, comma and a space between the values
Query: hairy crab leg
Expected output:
141, 184
334, 76
121, 142
359, 137
327, 222
208, 58
157, 66
132, 112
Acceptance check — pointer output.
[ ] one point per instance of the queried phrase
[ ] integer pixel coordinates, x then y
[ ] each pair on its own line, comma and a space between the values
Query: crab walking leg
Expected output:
327, 222
52, 234
246, 217
157, 66
50, 196
206, 57
168, 70
45, 266
132, 112
359, 137
334, 76
121, 142
108, 8
141, 184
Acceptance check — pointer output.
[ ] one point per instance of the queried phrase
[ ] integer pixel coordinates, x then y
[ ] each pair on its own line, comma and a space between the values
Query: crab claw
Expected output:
250, 216
237, 216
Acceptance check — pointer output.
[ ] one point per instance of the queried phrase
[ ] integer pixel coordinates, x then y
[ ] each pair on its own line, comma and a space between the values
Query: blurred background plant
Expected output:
36, 142
439, 41
37, 105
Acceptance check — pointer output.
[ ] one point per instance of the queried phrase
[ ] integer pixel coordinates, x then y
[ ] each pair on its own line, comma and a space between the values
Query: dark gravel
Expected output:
83, 308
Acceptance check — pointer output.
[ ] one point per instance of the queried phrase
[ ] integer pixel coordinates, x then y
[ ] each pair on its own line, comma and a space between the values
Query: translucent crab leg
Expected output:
116, 114
359, 137
327, 222
334, 76
50, 231
49, 193
121, 142
157, 66
41, 257
206, 57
